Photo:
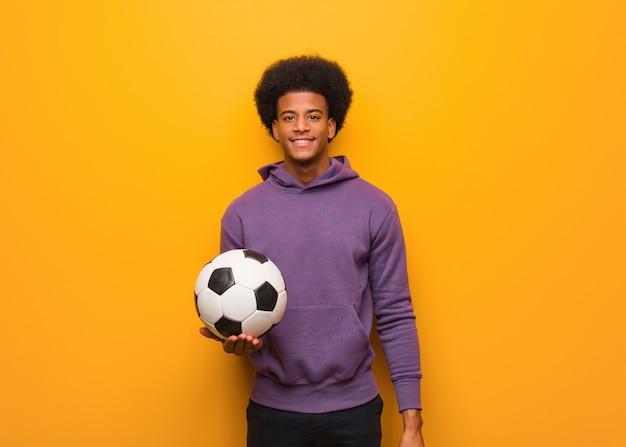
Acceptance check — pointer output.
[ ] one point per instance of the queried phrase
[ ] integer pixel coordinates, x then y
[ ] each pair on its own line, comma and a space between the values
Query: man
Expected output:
338, 242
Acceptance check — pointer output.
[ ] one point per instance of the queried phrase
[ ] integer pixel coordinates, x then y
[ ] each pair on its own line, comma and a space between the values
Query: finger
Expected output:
252, 344
229, 344
241, 346
257, 344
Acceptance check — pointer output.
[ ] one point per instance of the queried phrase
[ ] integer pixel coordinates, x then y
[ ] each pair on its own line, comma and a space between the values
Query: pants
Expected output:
354, 427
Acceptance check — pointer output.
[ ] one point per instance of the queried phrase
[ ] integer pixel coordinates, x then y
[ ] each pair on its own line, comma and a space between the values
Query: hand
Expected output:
411, 439
241, 344
412, 434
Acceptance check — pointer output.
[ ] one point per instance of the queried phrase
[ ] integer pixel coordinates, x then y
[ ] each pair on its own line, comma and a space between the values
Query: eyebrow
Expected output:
308, 111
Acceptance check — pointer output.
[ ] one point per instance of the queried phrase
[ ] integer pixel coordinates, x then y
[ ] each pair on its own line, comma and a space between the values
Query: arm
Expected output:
396, 324
412, 435
394, 311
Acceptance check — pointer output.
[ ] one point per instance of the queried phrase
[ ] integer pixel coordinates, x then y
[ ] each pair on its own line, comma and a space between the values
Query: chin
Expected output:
303, 160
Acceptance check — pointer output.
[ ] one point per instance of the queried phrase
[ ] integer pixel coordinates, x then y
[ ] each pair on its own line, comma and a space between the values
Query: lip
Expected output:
301, 142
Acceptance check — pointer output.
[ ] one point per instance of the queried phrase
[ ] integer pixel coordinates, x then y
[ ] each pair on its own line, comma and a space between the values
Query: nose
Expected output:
301, 124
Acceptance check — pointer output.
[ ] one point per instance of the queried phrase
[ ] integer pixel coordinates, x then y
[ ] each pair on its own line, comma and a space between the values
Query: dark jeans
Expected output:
354, 427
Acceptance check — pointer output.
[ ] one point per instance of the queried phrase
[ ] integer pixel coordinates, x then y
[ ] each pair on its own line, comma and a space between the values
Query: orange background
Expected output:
126, 127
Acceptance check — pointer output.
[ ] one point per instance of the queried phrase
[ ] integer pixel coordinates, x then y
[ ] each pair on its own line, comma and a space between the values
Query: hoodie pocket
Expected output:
314, 344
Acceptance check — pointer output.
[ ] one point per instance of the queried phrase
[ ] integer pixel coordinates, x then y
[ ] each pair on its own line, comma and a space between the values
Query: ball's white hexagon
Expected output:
273, 276
238, 303
258, 323
227, 259
203, 278
281, 305
209, 306
249, 273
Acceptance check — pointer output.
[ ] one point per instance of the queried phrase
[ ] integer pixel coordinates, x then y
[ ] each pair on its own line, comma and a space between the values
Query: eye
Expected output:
315, 117
288, 118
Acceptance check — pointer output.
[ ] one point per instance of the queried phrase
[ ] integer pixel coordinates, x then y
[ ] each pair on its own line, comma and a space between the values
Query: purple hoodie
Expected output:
339, 245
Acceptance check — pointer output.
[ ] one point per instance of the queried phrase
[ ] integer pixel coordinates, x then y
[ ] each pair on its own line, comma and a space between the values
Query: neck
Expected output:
305, 173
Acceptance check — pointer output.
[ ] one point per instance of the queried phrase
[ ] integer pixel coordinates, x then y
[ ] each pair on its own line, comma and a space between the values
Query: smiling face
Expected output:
303, 128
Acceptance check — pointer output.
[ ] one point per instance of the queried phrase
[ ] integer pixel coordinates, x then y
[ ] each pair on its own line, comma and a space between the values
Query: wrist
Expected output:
412, 419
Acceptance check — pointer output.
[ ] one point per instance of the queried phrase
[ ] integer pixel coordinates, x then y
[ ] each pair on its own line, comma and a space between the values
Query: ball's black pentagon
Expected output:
255, 255
228, 327
221, 280
266, 297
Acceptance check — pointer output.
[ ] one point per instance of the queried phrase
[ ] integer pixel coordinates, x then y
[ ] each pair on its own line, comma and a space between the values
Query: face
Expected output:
303, 128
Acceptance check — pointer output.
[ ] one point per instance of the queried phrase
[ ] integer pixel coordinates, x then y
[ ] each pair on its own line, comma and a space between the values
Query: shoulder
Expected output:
368, 192
250, 196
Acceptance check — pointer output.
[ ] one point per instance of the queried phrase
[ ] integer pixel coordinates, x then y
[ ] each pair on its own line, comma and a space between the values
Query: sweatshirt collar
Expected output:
338, 171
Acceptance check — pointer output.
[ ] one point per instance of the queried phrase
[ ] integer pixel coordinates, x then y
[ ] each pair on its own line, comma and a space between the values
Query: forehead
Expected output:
301, 101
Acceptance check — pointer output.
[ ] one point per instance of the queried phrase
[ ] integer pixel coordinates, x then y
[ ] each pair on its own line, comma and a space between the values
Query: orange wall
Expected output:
127, 126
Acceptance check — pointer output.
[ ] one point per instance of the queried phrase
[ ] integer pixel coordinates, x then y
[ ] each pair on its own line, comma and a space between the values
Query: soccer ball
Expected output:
240, 291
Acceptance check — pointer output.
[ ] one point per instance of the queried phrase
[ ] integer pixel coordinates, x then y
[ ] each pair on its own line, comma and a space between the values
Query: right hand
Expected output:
241, 344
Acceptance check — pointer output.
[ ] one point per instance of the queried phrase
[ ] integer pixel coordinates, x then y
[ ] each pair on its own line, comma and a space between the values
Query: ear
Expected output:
332, 128
275, 129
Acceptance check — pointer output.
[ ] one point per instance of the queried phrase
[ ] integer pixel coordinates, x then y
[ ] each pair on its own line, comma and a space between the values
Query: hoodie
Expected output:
339, 245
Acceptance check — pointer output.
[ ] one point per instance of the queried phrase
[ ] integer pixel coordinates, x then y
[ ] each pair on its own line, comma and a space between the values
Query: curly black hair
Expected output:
303, 74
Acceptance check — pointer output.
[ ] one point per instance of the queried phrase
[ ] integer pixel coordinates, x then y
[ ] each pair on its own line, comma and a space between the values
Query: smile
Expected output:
302, 141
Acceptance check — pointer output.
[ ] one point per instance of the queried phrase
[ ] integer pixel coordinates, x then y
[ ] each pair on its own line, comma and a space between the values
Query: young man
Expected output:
338, 242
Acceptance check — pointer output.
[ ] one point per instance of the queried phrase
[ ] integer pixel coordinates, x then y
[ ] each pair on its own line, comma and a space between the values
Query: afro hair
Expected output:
303, 74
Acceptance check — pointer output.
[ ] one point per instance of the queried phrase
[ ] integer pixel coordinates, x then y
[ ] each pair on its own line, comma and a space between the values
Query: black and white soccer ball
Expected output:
240, 291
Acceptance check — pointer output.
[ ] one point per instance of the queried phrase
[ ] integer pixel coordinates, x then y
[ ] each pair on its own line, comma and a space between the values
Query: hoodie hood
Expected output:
338, 171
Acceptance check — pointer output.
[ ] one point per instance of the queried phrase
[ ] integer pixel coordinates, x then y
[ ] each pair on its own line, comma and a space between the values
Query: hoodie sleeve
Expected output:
231, 233
394, 311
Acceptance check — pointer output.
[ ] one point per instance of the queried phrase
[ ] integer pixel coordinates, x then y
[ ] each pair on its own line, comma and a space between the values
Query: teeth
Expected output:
301, 141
